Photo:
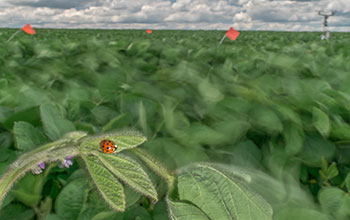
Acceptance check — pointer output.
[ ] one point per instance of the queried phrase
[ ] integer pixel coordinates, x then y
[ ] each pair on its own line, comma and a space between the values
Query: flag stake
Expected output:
13, 35
222, 39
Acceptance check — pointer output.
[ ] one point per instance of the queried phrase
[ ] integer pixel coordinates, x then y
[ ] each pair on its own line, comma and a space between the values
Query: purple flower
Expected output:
66, 162
42, 165
39, 168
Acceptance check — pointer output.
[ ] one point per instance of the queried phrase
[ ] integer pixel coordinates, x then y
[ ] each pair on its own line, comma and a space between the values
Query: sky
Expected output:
279, 15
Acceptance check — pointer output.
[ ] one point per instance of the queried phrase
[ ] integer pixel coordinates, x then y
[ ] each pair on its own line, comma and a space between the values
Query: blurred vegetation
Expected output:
274, 104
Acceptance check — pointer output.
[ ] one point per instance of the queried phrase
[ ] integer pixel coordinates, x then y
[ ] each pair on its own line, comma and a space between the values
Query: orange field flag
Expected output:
28, 29
149, 31
232, 33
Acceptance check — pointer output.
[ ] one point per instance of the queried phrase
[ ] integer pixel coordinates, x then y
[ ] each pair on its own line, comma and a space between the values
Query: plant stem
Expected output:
47, 153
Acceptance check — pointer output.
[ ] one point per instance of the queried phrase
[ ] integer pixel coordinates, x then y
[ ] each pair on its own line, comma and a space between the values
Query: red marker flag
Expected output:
232, 33
28, 29
149, 31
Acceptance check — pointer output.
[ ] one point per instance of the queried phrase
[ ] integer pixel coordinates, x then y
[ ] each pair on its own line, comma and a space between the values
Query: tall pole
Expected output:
325, 23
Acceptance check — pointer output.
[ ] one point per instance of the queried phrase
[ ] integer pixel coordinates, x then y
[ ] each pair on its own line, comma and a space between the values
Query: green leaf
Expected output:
315, 147
160, 211
104, 215
332, 170
184, 211
28, 189
246, 154
137, 212
156, 167
220, 195
30, 115
131, 196
266, 120
321, 121
292, 213
118, 122
335, 202
130, 172
209, 92
16, 211
124, 140
107, 184
71, 200
52, 217
142, 113
55, 125
103, 114
5, 140
294, 137
27, 136
347, 182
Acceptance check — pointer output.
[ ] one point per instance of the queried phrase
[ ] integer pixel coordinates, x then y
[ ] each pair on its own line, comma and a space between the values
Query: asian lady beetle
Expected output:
108, 146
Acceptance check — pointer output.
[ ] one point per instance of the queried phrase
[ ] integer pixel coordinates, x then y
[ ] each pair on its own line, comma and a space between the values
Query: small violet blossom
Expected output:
38, 169
66, 162
63, 163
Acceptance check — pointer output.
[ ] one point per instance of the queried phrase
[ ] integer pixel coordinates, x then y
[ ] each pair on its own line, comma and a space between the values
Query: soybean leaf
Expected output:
55, 125
142, 113
335, 202
266, 120
30, 115
27, 136
221, 196
71, 201
294, 138
184, 211
321, 121
129, 172
246, 154
120, 121
107, 184
293, 213
160, 211
123, 140
5, 140
104, 215
137, 212
28, 189
16, 211
315, 148
347, 182
52, 217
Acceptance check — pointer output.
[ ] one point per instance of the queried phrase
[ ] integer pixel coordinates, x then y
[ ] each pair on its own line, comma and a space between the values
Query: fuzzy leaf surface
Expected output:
129, 172
184, 211
55, 125
123, 140
220, 195
108, 185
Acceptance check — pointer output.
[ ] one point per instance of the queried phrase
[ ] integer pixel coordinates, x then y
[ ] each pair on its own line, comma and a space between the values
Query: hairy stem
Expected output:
46, 153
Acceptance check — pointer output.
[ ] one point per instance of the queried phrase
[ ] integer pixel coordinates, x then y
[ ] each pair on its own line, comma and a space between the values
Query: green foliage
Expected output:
221, 194
184, 211
54, 124
335, 202
107, 184
131, 173
272, 106
27, 136
71, 200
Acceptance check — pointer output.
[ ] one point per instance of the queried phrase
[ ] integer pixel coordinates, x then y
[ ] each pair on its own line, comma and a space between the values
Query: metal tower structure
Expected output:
325, 23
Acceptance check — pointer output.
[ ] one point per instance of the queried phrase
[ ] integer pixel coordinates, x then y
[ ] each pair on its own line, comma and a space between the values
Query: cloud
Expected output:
61, 4
294, 15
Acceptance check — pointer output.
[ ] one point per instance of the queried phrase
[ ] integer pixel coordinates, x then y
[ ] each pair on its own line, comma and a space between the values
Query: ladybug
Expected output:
108, 146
